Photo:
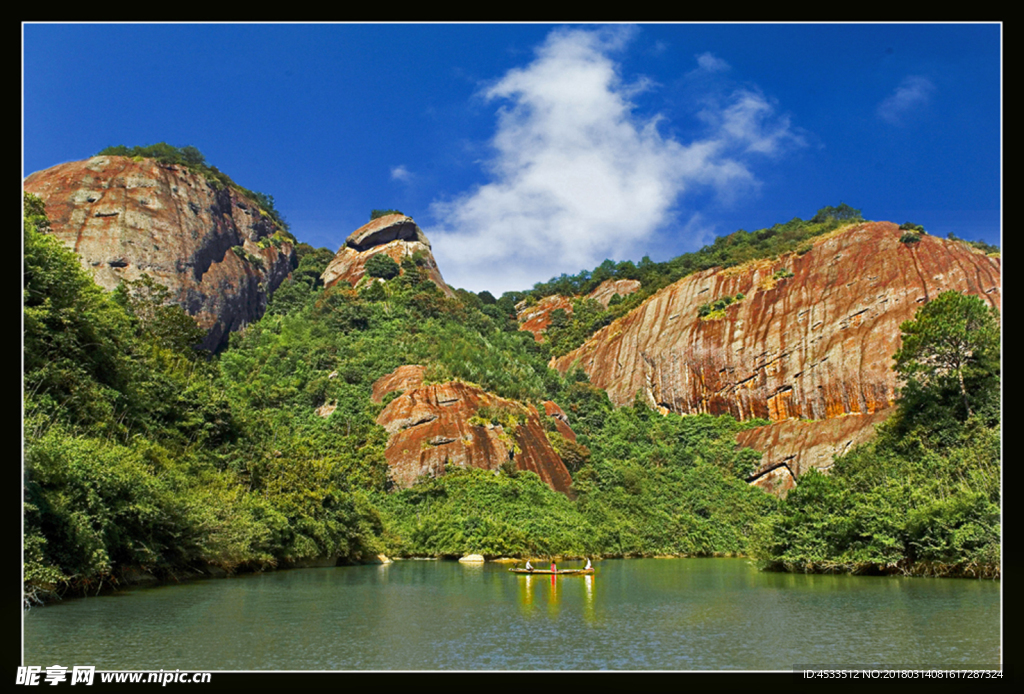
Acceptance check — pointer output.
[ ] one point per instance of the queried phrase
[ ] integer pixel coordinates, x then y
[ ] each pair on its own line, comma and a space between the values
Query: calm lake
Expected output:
638, 614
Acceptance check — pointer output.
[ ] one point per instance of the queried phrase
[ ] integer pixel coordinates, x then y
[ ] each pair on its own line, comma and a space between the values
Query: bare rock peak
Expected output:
395, 235
383, 230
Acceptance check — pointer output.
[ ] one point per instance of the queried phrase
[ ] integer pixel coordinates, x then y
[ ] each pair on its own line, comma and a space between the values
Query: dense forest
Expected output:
145, 456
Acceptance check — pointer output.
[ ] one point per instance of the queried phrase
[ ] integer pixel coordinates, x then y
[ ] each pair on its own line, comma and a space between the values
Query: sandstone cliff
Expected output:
124, 218
792, 447
455, 423
537, 318
811, 338
393, 234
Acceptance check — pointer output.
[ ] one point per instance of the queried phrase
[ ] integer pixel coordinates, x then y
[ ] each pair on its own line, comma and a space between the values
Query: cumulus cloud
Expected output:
708, 62
578, 177
400, 173
913, 94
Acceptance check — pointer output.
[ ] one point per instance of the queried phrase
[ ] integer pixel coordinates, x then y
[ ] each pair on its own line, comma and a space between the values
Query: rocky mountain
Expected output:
806, 336
217, 251
455, 423
395, 235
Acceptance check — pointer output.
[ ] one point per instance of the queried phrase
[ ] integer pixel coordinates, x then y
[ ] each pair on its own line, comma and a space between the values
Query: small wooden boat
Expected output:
560, 572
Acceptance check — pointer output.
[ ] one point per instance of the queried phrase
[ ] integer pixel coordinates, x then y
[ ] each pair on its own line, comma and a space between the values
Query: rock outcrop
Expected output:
560, 419
393, 234
608, 289
792, 447
454, 423
812, 336
219, 254
537, 317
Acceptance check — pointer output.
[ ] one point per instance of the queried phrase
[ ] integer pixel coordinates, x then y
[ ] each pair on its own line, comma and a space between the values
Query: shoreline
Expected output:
135, 576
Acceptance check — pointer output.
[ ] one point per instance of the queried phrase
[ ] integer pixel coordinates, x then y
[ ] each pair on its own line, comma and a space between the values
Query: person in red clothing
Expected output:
552, 566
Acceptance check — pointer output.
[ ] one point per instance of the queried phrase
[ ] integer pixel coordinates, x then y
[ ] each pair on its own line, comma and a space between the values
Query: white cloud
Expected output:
577, 177
708, 62
913, 94
400, 173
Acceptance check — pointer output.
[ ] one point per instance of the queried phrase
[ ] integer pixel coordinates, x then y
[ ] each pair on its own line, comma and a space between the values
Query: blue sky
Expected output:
529, 150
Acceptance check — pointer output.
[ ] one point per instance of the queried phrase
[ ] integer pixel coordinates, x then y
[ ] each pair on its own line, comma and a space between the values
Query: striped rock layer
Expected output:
432, 426
812, 338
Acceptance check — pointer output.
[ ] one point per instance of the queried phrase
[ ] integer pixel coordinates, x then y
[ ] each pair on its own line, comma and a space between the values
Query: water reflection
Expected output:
650, 614
574, 592
588, 604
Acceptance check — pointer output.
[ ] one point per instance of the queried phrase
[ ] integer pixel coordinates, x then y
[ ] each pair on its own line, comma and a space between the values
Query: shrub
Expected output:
376, 214
381, 265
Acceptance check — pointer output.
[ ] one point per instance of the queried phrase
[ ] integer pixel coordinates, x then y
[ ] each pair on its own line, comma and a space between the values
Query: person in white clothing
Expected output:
588, 567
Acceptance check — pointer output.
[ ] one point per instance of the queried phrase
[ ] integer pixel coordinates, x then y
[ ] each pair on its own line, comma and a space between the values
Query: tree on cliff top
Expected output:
842, 212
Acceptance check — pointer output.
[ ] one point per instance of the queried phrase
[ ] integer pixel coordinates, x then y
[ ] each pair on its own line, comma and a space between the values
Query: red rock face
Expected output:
792, 447
609, 288
815, 345
537, 318
552, 410
437, 425
393, 234
125, 218
403, 378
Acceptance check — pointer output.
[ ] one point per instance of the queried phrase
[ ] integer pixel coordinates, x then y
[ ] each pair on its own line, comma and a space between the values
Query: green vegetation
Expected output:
923, 497
375, 214
144, 454
382, 266
716, 309
567, 331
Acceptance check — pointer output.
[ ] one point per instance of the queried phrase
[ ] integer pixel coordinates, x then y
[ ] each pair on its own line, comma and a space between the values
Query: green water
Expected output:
641, 614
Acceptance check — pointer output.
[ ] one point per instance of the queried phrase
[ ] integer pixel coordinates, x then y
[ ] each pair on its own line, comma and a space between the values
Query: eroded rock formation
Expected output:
607, 290
811, 338
431, 426
560, 419
537, 318
792, 447
393, 234
124, 218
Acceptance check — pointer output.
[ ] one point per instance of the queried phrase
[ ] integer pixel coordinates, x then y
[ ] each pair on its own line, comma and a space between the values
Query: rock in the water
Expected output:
472, 559
124, 218
393, 234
